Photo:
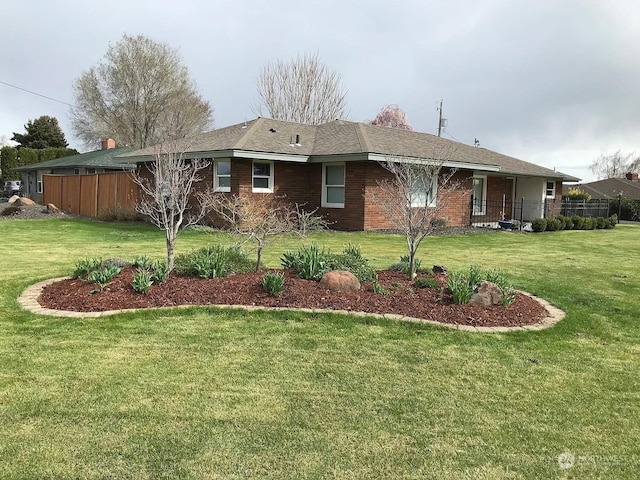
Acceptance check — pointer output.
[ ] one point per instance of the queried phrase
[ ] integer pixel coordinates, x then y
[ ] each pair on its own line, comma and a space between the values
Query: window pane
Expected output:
335, 194
224, 181
335, 175
260, 183
261, 169
224, 168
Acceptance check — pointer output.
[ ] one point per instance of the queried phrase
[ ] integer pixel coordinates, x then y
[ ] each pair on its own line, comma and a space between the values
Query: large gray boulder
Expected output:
486, 293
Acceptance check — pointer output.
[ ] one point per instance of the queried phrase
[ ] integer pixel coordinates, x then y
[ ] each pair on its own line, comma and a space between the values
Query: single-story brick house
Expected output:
331, 166
98, 161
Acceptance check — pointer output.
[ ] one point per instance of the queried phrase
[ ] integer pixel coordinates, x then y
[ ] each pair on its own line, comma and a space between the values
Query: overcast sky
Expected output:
554, 82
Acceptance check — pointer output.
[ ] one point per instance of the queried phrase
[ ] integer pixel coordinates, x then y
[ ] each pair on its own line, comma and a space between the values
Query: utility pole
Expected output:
440, 120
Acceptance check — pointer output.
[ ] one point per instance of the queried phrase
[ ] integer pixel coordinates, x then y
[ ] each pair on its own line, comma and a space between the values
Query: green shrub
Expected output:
539, 225
563, 222
118, 262
214, 261
613, 221
601, 223
309, 261
553, 224
160, 271
104, 275
351, 260
142, 280
458, 283
85, 266
426, 282
377, 288
578, 222
438, 223
568, 223
142, 261
273, 283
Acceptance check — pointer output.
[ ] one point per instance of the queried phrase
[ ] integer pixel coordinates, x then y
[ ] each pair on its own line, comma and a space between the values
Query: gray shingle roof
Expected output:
341, 137
611, 188
106, 158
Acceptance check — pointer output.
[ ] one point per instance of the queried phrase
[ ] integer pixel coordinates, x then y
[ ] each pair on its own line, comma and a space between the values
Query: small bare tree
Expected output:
302, 91
392, 116
167, 194
414, 198
260, 217
615, 165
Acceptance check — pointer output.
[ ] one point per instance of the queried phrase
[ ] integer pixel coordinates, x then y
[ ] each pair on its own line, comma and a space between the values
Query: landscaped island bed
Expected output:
402, 297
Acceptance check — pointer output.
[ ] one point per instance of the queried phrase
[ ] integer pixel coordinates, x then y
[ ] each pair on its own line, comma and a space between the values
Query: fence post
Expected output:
471, 212
521, 211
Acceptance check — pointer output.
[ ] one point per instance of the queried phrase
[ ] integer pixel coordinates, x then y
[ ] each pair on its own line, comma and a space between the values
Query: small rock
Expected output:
486, 293
340, 281
439, 269
51, 208
23, 202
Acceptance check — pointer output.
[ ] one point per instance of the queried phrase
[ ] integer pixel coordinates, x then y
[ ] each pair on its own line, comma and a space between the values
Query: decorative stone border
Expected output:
29, 301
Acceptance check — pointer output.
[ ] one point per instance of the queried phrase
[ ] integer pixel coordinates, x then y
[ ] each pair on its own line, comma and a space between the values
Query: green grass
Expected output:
213, 393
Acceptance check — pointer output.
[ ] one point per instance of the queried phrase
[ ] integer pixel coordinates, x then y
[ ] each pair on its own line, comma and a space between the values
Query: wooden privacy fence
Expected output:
91, 195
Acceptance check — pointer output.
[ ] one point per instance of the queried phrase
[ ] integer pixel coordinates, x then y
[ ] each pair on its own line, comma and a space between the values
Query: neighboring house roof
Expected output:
611, 188
106, 158
344, 140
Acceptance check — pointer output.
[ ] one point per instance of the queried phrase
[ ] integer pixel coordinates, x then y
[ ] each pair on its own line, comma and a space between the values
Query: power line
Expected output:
35, 93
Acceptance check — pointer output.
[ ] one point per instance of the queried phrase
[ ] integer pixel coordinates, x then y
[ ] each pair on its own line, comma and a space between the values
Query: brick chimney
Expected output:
632, 176
108, 143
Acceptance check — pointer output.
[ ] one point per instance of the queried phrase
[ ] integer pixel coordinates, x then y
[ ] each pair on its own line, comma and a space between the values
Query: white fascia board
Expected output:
427, 161
278, 157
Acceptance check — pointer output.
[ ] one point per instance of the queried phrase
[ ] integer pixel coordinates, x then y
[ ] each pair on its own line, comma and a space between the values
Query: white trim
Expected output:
323, 201
442, 163
483, 200
280, 157
268, 189
217, 188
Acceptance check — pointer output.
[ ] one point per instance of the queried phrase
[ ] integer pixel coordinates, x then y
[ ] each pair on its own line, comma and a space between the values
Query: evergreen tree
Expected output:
43, 132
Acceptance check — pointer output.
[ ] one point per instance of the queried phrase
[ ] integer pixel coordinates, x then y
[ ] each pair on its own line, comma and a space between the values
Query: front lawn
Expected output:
212, 393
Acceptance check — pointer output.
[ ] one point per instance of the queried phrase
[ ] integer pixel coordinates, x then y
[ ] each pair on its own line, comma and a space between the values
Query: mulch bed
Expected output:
402, 298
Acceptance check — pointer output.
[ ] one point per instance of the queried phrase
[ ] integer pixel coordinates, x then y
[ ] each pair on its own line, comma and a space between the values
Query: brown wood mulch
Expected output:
402, 298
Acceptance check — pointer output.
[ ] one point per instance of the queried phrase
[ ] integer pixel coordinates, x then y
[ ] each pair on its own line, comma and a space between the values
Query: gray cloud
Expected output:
553, 82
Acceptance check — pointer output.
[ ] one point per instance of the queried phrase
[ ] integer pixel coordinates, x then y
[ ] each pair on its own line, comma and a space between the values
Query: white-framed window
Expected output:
479, 192
38, 181
262, 177
91, 171
424, 192
333, 180
222, 176
76, 171
550, 190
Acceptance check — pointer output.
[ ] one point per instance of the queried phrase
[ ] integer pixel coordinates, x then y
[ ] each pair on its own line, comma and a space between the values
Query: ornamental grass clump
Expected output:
85, 266
142, 280
273, 283
213, 262
309, 261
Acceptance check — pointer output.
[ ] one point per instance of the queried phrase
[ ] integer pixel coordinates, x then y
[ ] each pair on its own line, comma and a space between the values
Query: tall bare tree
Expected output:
168, 197
303, 90
392, 116
413, 198
139, 94
615, 165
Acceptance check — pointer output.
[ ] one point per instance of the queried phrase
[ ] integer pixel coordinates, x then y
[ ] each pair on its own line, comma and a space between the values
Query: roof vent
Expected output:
272, 130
